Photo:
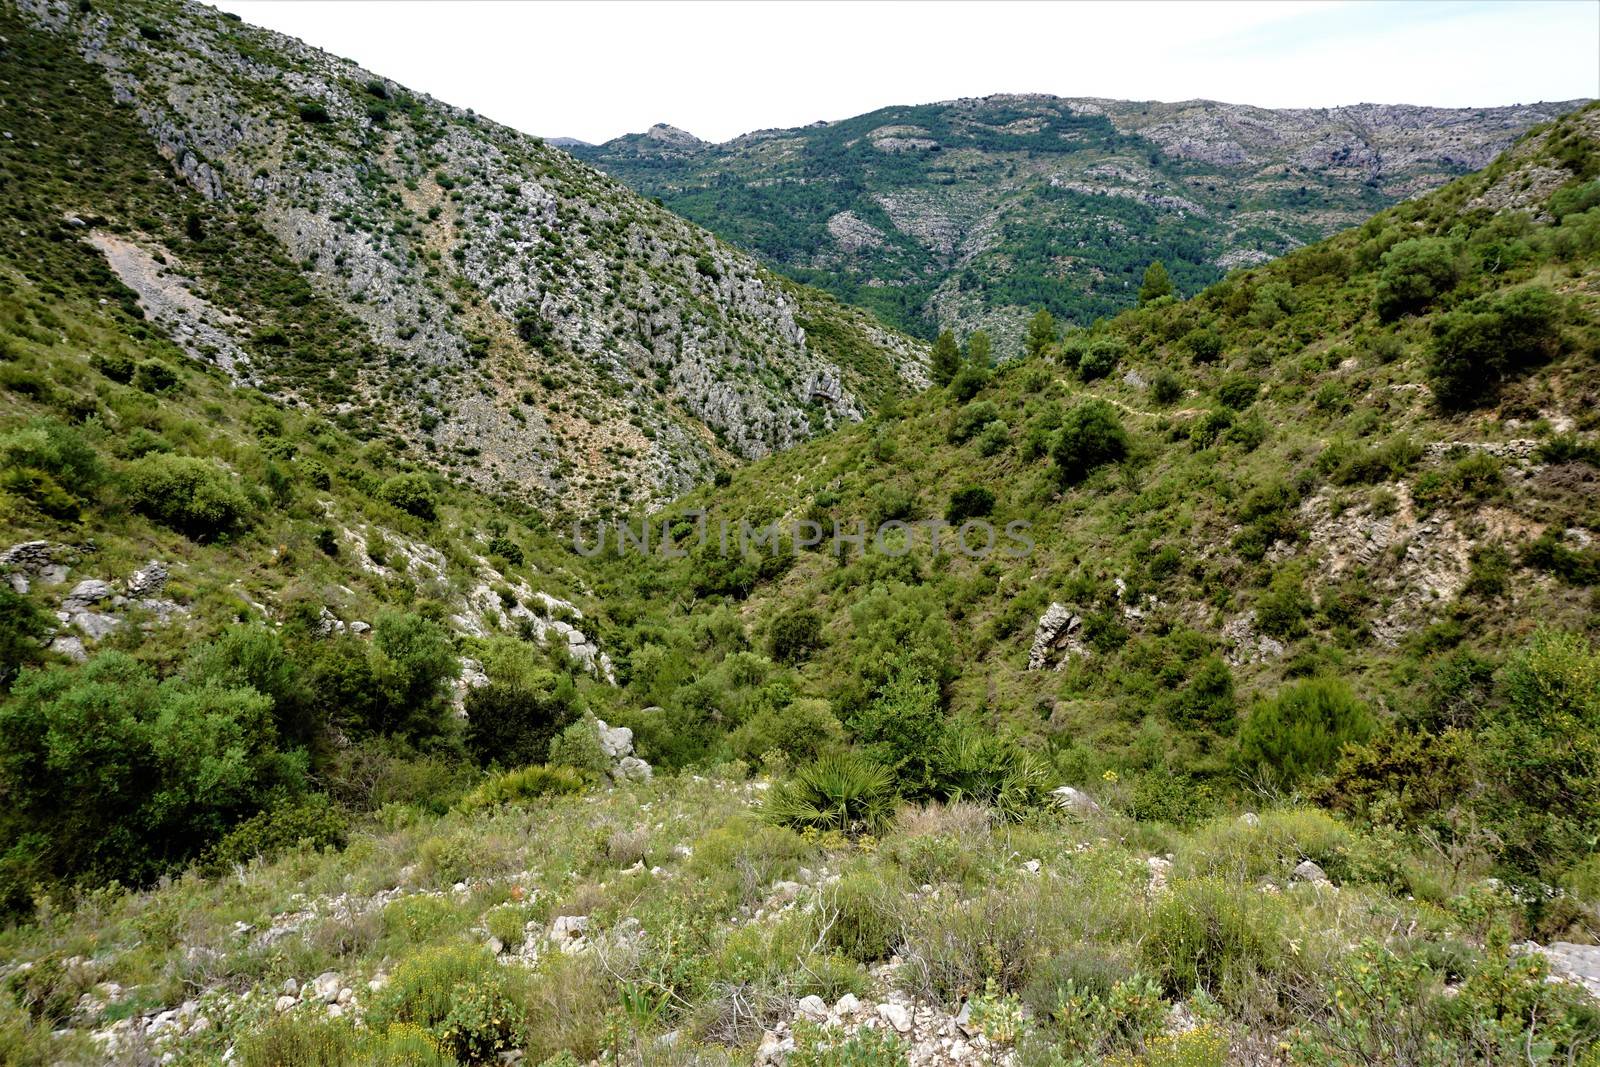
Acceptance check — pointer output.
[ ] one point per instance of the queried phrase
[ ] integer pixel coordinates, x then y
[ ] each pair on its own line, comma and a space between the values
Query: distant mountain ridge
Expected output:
971, 213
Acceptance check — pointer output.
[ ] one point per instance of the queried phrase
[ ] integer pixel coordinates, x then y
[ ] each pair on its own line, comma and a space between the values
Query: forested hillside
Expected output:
1265, 731
972, 214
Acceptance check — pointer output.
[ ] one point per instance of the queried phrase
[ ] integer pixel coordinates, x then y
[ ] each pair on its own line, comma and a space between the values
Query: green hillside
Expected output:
973, 213
1267, 732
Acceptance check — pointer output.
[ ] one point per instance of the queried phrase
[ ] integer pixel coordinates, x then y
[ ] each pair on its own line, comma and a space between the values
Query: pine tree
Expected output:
1041, 333
980, 350
946, 359
1157, 283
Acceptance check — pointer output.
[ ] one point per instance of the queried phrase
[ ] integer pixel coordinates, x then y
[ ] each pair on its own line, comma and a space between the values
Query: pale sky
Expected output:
597, 70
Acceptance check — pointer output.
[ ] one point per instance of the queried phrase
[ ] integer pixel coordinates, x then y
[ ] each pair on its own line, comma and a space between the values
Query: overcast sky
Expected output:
597, 70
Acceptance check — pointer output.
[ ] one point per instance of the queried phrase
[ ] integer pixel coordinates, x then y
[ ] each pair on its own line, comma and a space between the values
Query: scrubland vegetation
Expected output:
1328, 714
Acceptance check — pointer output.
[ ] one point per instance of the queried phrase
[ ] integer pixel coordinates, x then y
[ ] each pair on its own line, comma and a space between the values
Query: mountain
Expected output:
1265, 732
973, 213
481, 299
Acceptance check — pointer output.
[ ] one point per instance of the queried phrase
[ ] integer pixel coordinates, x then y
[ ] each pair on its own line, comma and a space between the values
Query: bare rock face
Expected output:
555, 337
1056, 639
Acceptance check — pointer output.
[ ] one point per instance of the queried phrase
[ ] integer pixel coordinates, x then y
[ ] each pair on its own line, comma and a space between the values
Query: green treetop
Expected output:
1157, 283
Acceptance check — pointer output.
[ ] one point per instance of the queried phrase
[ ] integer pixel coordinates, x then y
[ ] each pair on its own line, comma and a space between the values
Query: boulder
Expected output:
148, 580
897, 1016
1075, 800
1309, 871
1057, 631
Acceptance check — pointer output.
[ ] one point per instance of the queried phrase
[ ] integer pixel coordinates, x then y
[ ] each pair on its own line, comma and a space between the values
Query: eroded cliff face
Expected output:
534, 326
972, 213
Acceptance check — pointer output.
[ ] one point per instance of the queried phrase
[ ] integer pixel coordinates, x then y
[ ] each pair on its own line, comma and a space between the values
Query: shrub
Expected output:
1238, 391
411, 493
154, 376
1414, 273
411, 664
967, 422
311, 821
844, 792
313, 112
1284, 607
1091, 435
968, 382
993, 438
293, 1040
794, 635
193, 496
109, 774
524, 783
1478, 347
1204, 345
23, 627
1301, 731
1101, 357
1542, 749
513, 723
801, 732
469, 1003
1205, 934
972, 502
1165, 387
578, 746
865, 908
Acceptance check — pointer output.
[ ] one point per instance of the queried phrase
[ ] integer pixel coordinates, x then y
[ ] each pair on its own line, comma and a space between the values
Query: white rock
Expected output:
847, 1006
284, 1003
813, 1008
1075, 801
1307, 871
897, 1016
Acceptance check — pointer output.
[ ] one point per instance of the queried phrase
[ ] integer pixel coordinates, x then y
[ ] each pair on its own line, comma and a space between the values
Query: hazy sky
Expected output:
596, 70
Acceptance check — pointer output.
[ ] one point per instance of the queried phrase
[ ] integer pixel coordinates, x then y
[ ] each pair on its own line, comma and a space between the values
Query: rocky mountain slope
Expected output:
973, 213
511, 315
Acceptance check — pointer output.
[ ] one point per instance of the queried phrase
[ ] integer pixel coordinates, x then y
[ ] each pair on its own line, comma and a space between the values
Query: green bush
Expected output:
1541, 751
511, 724
972, 502
524, 783
154, 376
463, 997
1165, 387
293, 1040
1489, 341
1299, 733
1101, 357
1206, 934
844, 791
109, 774
794, 635
969, 420
411, 665
50, 465
1415, 273
801, 732
578, 746
23, 627
310, 821
193, 496
1091, 435
968, 382
1204, 345
1238, 391
411, 493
